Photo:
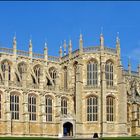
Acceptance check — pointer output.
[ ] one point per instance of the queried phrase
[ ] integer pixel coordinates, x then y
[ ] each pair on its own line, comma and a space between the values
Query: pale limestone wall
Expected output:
81, 127
2, 127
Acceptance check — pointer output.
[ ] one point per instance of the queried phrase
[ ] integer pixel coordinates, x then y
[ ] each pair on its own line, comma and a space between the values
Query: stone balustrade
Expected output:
110, 50
22, 53
53, 58
91, 49
37, 55
6, 50
133, 73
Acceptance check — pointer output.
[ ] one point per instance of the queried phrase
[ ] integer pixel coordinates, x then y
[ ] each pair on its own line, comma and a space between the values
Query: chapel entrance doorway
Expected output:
67, 129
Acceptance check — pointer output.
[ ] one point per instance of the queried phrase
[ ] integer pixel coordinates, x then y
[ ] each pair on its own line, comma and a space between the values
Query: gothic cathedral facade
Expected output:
77, 94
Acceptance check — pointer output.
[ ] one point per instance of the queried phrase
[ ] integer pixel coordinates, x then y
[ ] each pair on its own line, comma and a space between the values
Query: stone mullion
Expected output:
26, 114
79, 89
42, 114
69, 77
57, 112
7, 114
134, 119
122, 103
103, 98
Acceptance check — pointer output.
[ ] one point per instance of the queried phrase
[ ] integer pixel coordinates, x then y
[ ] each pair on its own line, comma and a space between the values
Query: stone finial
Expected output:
64, 45
14, 47
30, 48
45, 45
45, 51
81, 38
81, 44
14, 41
101, 41
70, 46
60, 51
117, 38
30, 43
129, 66
118, 44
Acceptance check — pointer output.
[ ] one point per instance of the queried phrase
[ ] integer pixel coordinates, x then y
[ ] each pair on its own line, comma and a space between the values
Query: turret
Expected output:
81, 44
46, 52
14, 46
129, 66
101, 41
70, 49
64, 45
30, 49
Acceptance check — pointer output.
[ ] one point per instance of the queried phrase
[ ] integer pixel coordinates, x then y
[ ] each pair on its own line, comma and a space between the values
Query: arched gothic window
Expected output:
32, 107
14, 107
37, 72
65, 77
6, 66
109, 73
92, 73
0, 106
92, 109
22, 68
48, 104
110, 103
53, 73
64, 106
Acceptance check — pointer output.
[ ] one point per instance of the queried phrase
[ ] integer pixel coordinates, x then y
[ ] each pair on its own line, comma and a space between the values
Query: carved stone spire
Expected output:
60, 51
101, 41
14, 46
14, 42
118, 49
46, 51
70, 48
30, 48
129, 66
64, 45
81, 44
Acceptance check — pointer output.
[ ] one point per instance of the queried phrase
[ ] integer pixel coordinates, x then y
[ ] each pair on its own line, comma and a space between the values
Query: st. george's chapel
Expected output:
77, 94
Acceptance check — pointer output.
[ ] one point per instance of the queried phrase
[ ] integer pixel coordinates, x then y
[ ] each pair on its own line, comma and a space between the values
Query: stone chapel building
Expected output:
78, 94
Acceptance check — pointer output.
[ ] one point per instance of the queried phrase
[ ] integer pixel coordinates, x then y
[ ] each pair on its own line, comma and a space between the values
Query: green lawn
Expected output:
121, 138
41, 138
27, 138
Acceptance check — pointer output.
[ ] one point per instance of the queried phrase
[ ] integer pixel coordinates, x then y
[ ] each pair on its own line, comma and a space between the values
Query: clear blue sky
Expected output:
55, 21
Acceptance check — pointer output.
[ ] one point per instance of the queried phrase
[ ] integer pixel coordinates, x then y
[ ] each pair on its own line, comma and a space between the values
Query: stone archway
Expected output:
67, 129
